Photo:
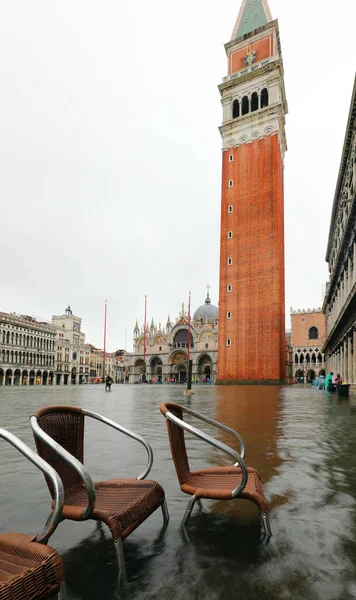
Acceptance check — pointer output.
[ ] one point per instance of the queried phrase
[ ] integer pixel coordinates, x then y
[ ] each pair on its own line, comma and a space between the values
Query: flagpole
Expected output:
188, 391
145, 338
189, 327
104, 358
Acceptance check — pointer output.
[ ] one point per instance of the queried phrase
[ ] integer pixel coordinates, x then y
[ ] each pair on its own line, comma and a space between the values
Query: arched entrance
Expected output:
24, 377
205, 368
38, 378
2, 377
73, 377
140, 370
156, 369
299, 376
44, 378
17, 377
322, 373
8, 377
178, 366
50, 378
310, 376
181, 373
32, 378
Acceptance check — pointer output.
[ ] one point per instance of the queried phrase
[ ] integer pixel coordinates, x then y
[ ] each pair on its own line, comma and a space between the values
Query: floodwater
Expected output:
302, 442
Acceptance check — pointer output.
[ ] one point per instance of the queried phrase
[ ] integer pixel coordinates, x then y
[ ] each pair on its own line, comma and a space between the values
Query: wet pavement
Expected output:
302, 442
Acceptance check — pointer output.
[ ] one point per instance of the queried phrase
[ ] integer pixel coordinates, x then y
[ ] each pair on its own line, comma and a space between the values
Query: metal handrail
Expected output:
56, 514
207, 438
127, 432
218, 425
72, 461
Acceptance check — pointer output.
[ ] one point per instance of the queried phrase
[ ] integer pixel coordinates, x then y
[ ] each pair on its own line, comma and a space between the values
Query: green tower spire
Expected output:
253, 14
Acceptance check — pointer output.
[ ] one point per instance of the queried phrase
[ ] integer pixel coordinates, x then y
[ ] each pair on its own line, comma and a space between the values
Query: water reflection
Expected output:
301, 441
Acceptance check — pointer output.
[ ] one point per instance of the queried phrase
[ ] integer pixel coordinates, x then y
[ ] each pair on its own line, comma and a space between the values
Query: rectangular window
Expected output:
230, 209
228, 315
229, 288
228, 342
231, 183
229, 235
229, 261
231, 158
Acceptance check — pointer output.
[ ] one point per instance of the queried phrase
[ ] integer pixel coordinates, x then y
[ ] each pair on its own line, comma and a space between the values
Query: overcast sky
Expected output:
111, 155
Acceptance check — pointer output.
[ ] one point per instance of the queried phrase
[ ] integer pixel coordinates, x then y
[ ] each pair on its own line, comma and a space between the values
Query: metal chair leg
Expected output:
62, 594
119, 552
188, 511
266, 524
165, 512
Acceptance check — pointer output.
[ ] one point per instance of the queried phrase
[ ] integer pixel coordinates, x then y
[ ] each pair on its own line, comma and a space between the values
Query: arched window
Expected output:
301, 359
307, 358
235, 109
264, 98
314, 358
8, 337
296, 358
313, 333
254, 102
320, 358
245, 107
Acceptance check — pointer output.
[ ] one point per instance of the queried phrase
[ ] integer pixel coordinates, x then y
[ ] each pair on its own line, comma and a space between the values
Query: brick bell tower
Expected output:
252, 303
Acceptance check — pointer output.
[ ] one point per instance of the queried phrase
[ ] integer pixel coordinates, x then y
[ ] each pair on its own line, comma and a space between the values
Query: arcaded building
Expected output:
251, 295
27, 350
167, 347
308, 335
340, 298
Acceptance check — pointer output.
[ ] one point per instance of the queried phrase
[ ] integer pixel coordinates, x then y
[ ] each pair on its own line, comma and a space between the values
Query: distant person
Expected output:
108, 382
338, 380
329, 382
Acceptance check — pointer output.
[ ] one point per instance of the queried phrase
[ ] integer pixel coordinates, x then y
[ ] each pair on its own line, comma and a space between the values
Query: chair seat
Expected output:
28, 570
122, 504
217, 484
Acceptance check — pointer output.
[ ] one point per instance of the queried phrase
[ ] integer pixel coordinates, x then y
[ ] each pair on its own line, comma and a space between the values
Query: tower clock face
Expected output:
74, 356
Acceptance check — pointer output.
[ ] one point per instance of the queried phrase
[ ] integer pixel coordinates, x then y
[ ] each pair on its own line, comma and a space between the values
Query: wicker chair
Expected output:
122, 504
217, 483
29, 569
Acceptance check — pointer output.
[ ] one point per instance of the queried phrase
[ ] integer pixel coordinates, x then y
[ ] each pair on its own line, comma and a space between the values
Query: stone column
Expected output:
341, 361
345, 376
354, 357
349, 359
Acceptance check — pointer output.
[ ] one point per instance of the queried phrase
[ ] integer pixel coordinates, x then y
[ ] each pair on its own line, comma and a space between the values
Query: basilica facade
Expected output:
167, 348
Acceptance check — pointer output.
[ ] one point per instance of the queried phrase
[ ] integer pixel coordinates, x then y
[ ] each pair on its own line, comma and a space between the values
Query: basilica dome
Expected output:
206, 311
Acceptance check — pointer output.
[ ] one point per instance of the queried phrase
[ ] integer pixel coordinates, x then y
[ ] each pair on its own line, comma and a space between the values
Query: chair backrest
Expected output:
65, 424
177, 441
53, 481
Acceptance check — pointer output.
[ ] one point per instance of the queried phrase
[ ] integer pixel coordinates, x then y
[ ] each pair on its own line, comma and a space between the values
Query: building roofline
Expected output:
345, 149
